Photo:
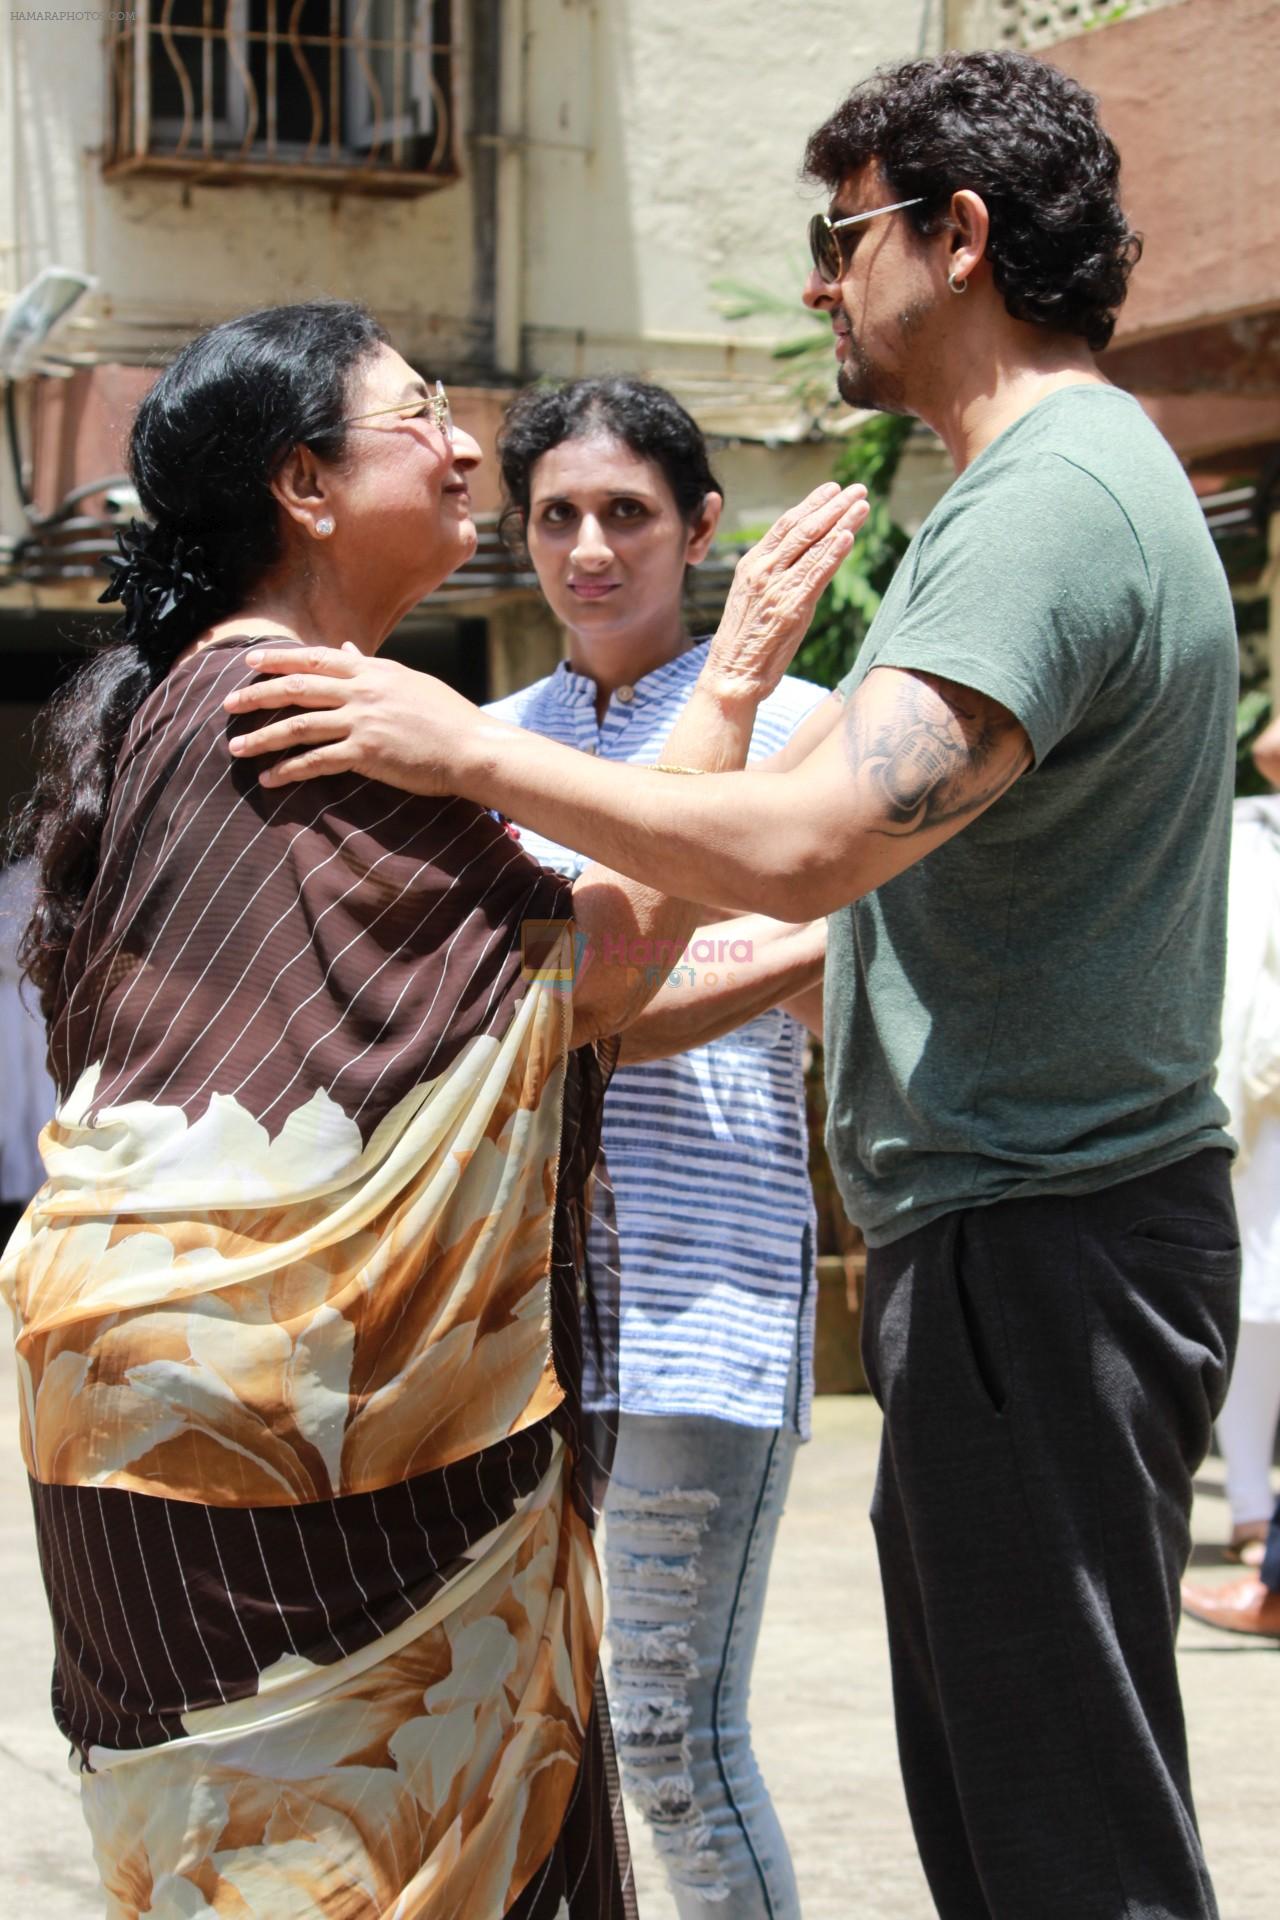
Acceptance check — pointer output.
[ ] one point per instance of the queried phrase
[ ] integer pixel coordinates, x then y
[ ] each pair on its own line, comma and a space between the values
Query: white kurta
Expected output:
1249, 1065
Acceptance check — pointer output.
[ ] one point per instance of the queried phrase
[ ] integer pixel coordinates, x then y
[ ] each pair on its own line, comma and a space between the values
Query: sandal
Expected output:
1247, 1546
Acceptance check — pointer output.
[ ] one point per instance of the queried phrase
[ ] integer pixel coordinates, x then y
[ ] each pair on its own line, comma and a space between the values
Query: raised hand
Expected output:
777, 585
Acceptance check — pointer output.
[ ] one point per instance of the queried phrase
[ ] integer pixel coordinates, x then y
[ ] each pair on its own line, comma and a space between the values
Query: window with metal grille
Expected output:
344, 93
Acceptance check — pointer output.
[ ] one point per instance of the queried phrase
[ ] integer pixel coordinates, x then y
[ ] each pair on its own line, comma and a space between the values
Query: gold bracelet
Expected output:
665, 766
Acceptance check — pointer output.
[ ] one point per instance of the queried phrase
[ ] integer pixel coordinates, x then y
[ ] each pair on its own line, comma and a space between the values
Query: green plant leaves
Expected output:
850, 603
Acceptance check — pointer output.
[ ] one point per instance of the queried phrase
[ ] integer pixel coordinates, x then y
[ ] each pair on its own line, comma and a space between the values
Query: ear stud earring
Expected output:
325, 527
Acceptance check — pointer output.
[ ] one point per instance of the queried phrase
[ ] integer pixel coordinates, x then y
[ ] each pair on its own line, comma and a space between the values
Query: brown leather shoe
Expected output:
1241, 1606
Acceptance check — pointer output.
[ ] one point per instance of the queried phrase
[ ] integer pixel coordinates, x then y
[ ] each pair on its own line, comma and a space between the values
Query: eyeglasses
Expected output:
435, 407
828, 254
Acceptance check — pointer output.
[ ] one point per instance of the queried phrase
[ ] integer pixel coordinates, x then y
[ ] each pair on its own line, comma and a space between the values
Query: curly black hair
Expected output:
1026, 139
645, 418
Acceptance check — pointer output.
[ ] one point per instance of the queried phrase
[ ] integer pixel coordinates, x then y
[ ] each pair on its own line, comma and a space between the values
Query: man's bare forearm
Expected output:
731, 838
913, 760
903, 763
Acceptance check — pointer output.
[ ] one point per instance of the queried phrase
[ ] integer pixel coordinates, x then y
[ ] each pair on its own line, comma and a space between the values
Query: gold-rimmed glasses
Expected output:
433, 406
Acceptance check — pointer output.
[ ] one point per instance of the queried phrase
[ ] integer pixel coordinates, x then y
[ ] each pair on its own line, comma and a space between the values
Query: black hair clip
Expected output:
155, 572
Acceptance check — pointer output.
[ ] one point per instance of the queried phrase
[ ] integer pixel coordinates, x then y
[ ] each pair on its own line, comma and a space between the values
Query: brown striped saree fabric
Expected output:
299, 1333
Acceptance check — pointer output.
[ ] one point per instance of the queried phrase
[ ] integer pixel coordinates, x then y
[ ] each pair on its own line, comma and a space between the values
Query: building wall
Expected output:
1187, 89
1189, 96
695, 127
654, 145
635, 153
172, 258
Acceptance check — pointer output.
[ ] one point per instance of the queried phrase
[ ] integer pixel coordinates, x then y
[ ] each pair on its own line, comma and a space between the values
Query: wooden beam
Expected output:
1235, 357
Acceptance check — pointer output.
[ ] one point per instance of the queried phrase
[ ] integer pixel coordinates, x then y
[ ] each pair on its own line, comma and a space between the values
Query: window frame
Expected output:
412, 151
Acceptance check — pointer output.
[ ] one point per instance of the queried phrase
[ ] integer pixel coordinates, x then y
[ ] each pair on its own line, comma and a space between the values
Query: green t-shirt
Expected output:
1033, 1008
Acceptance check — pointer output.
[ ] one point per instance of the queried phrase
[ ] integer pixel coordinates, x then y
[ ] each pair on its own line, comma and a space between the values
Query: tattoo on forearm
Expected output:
942, 752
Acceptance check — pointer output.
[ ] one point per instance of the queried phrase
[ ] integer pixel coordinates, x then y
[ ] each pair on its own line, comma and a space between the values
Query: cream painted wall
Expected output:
657, 143
665, 140
697, 121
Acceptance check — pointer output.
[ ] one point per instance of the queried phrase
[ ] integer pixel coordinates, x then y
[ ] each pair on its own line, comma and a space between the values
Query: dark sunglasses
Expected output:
828, 254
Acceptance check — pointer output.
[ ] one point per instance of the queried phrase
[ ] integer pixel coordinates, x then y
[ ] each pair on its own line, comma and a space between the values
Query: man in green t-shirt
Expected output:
1015, 811
1022, 1027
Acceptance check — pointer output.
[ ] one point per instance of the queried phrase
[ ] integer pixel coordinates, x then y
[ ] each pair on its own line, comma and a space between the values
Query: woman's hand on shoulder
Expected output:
352, 713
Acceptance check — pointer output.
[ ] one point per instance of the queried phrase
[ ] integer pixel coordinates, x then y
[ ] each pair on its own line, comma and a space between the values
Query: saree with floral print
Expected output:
300, 1319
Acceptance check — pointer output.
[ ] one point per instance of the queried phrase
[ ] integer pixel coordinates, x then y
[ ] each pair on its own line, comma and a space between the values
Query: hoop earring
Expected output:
325, 527
957, 285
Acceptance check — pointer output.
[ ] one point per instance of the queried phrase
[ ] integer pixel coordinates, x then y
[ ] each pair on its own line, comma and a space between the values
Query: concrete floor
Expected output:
822, 1712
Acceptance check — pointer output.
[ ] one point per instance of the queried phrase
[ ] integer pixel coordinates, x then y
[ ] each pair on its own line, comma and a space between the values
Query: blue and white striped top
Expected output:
708, 1150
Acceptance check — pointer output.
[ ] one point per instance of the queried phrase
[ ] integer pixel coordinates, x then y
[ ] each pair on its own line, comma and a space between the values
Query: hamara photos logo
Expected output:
558, 953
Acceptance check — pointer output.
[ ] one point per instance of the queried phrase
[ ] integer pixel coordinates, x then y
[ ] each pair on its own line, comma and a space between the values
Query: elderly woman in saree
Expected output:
300, 1305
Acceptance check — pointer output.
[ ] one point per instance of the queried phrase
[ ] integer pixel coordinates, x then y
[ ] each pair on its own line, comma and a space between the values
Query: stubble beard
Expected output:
862, 382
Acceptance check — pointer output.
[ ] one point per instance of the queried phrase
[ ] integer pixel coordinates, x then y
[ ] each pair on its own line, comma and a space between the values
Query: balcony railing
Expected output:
355, 94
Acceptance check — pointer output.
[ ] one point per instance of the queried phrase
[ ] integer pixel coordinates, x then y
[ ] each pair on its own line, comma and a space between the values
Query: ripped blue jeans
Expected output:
690, 1522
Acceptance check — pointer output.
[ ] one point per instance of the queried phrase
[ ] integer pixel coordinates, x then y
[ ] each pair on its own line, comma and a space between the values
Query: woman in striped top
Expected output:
609, 485
297, 1306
